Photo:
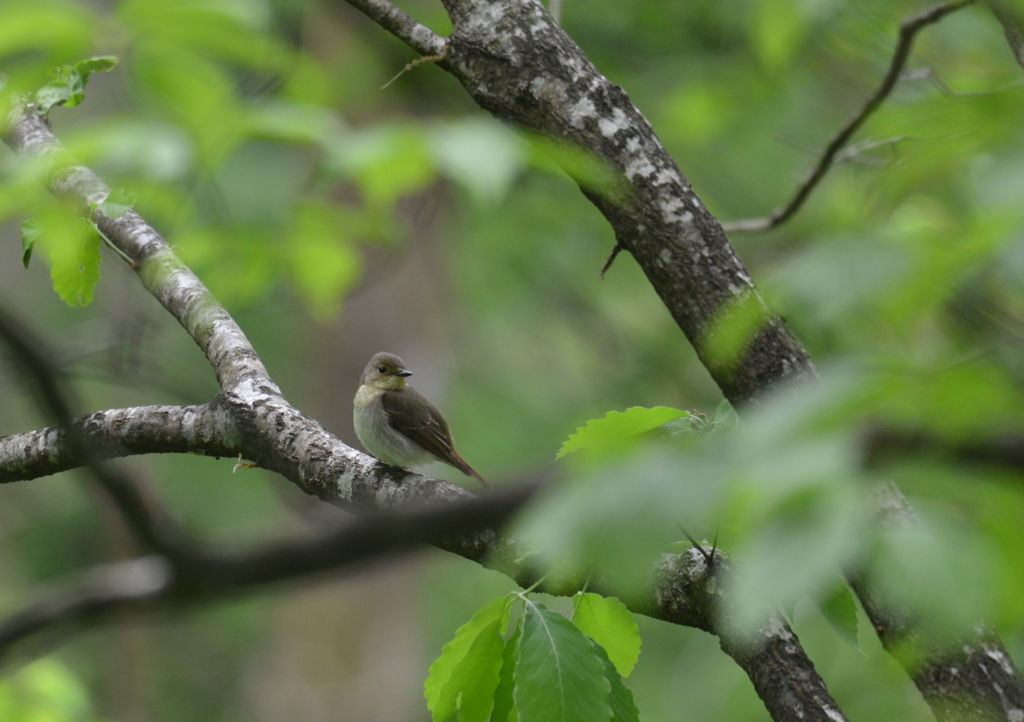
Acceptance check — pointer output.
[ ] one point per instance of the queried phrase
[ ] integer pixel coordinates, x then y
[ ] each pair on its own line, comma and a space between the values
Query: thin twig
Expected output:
908, 30
420, 61
417, 36
709, 559
855, 150
611, 259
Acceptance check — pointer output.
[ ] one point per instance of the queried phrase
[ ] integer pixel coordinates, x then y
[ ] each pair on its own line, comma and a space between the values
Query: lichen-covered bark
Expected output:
515, 61
781, 672
206, 429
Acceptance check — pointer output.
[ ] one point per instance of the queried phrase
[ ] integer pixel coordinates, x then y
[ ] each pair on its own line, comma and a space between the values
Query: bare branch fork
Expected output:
515, 62
251, 417
909, 29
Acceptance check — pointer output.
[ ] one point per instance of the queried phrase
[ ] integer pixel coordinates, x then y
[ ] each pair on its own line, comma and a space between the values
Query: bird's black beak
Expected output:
403, 373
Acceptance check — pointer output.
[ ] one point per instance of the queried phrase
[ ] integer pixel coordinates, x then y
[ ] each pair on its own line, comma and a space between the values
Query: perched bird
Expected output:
397, 424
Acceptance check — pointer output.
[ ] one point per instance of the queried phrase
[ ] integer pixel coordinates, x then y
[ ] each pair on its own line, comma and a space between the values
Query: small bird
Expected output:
397, 424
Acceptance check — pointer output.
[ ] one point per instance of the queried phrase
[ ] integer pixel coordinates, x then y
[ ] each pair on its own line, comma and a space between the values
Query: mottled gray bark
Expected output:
207, 429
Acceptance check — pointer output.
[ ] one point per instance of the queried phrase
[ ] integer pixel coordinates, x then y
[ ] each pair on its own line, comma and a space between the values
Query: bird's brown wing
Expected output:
416, 418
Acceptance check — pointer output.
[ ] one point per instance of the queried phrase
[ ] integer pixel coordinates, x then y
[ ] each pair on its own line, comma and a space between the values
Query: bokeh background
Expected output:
336, 219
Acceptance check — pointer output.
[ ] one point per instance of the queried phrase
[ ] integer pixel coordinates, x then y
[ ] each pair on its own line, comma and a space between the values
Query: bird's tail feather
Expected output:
468, 470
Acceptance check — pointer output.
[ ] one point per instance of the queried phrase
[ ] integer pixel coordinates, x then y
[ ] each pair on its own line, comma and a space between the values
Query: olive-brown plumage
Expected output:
397, 424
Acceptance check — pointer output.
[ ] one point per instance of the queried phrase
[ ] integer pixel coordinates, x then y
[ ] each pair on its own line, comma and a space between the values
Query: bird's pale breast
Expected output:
377, 435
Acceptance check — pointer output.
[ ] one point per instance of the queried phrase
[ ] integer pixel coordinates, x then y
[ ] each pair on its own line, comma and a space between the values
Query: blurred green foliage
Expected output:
255, 138
45, 691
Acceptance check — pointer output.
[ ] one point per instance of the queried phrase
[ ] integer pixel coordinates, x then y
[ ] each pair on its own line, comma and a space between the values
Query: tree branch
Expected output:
909, 28
883, 442
151, 582
238, 366
969, 679
418, 37
206, 429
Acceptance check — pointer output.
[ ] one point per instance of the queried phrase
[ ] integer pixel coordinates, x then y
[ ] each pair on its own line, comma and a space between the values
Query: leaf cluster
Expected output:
548, 668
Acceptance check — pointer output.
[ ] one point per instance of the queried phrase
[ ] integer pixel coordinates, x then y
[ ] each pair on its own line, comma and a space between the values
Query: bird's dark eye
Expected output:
382, 369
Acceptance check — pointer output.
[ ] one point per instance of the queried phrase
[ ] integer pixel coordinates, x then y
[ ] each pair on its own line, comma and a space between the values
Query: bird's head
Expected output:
385, 371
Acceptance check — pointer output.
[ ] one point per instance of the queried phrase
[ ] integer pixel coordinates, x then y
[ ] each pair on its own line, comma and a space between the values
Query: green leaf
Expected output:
559, 677
840, 611
30, 232
618, 428
724, 414
607, 621
72, 245
469, 693
733, 329
621, 699
76, 266
589, 170
387, 163
117, 203
68, 86
439, 695
95, 64
503, 701
56, 92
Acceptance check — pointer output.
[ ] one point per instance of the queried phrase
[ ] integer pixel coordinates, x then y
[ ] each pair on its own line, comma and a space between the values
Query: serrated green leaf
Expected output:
607, 621
75, 256
117, 203
620, 698
559, 676
840, 611
503, 702
441, 670
618, 428
30, 232
468, 695
95, 64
